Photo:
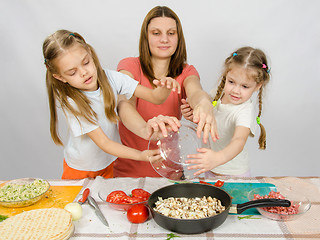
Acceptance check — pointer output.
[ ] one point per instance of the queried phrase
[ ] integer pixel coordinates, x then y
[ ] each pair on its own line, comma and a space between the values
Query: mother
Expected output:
163, 54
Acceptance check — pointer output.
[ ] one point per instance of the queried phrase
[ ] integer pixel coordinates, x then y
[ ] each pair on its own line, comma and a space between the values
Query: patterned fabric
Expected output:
89, 226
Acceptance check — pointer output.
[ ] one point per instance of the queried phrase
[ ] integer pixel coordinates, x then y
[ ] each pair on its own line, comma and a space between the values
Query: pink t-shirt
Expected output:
171, 107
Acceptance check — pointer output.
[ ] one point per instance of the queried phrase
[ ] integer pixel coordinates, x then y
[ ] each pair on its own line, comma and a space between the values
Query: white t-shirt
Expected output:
81, 152
228, 117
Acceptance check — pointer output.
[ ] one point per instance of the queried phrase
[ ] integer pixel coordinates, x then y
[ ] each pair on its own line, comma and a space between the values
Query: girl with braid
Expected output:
245, 71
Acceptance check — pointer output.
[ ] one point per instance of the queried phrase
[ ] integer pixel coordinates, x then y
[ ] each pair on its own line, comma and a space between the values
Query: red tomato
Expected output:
140, 193
129, 199
138, 213
116, 197
219, 183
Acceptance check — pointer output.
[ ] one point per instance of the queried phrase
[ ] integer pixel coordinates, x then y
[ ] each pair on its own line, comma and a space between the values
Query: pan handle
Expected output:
267, 202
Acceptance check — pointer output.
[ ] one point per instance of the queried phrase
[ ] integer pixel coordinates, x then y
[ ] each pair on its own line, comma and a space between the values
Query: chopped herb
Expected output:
3, 217
171, 236
178, 181
247, 217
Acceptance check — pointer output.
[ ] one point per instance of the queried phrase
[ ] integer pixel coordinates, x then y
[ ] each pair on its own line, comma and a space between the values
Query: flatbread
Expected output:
38, 224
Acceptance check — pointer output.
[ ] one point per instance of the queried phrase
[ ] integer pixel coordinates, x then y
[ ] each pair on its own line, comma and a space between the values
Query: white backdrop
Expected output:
288, 31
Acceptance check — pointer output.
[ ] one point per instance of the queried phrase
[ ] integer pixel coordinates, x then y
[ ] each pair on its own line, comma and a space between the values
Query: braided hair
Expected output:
254, 59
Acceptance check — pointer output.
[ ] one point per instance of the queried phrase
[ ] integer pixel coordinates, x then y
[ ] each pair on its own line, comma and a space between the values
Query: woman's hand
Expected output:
206, 122
200, 102
161, 124
169, 83
205, 160
203, 116
186, 110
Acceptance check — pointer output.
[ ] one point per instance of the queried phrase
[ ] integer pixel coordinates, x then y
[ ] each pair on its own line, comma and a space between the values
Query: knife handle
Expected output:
85, 195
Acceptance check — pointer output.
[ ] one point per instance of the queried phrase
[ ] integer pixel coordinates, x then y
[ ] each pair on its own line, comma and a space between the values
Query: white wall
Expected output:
288, 31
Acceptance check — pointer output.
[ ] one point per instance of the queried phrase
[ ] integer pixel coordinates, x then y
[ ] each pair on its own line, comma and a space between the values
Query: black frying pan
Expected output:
191, 190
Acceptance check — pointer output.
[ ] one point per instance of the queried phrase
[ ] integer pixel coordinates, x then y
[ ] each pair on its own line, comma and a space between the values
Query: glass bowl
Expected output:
23, 192
174, 150
297, 199
117, 206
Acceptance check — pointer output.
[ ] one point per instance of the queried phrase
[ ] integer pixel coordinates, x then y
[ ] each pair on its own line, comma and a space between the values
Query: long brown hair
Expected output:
178, 59
53, 46
253, 59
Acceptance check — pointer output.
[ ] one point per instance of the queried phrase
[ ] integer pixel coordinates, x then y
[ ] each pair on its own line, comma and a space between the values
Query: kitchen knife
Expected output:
85, 195
97, 210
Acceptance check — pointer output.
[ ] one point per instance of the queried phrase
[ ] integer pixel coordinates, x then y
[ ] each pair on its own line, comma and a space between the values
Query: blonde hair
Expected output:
178, 59
53, 46
253, 59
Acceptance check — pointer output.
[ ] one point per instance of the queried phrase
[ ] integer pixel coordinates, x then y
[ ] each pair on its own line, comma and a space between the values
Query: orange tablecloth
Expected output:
57, 196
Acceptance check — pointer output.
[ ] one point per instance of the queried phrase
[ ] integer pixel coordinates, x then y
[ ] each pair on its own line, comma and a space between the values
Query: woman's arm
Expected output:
202, 107
208, 159
116, 149
135, 123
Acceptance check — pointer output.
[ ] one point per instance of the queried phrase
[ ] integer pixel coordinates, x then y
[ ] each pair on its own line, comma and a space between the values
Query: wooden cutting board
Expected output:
57, 196
239, 193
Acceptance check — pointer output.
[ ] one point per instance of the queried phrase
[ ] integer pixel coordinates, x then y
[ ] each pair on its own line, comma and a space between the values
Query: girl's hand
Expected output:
205, 160
169, 83
203, 116
186, 110
150, 155
163, 124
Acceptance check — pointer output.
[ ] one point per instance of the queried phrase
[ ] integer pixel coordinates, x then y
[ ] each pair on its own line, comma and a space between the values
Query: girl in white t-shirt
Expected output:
88, 97
245, 72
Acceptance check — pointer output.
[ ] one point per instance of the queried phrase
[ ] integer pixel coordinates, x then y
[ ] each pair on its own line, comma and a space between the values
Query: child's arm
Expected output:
136, 124
116, 149
186, 110
208, 159
159, 94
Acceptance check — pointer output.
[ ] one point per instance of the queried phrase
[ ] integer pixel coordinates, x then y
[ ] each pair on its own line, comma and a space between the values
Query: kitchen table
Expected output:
235, 226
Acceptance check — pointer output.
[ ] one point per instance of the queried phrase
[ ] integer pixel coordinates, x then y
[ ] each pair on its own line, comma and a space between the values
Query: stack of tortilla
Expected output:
46, 224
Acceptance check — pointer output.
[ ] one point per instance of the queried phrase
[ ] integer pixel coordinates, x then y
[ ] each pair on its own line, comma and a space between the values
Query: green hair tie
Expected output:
214, 103
71, 34
258, 120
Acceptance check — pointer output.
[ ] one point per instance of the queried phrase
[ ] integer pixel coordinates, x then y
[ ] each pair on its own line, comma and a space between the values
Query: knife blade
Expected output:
97, 210
85, 195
